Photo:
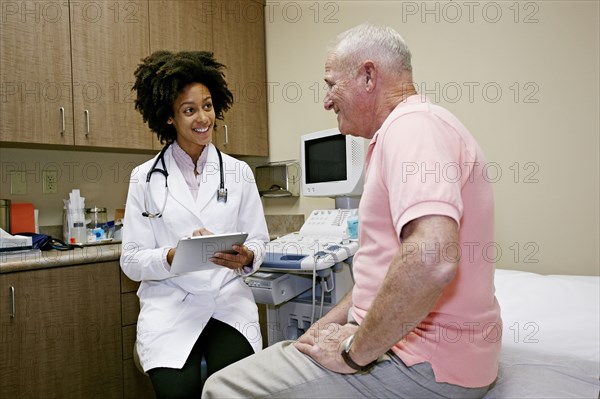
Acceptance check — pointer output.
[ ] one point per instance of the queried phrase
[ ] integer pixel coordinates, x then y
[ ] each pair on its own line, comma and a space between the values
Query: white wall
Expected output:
102, 178
522, 76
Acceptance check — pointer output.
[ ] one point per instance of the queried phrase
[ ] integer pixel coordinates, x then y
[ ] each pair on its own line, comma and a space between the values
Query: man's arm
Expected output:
424, 265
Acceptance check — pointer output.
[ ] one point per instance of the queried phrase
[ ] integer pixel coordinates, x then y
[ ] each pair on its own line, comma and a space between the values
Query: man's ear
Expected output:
370, 74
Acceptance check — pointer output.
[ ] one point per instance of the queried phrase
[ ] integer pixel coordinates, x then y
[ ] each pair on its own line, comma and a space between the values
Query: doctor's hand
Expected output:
242, 258
238, 260
202, 232
323, 344
198, 232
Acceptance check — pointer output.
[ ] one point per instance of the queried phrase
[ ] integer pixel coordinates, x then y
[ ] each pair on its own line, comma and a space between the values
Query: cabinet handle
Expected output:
62, 121
13, 310
226, 135
87, 122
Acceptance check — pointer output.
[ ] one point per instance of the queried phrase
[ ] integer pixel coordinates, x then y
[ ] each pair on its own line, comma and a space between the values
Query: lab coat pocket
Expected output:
161, 306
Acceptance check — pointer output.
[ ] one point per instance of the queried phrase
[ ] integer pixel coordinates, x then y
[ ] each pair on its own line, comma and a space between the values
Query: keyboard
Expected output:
299, 252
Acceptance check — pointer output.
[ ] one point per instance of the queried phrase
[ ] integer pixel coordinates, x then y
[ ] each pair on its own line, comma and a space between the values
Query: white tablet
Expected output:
193, 253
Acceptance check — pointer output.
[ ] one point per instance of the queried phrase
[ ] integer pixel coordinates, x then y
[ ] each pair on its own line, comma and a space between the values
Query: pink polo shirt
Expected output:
423, 161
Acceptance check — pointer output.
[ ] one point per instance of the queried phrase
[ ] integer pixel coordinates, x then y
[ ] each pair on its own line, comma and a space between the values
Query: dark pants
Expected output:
219, 344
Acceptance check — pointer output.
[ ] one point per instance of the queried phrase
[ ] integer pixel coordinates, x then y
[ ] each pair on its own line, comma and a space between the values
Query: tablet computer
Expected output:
193, 253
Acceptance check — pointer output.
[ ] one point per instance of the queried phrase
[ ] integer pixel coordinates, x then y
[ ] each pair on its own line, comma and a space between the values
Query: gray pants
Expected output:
281, 371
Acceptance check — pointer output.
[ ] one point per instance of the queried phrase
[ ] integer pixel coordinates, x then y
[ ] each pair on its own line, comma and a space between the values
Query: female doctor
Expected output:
190, 189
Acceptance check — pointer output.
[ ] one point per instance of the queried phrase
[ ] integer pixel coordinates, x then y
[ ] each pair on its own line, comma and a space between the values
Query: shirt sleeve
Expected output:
420, 157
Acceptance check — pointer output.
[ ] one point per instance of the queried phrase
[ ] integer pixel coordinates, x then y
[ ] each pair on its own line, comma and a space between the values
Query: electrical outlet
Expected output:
50, 182
18, 183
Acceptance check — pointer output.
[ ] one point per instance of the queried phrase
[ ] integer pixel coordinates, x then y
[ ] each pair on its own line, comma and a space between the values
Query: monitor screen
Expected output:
332, 164
325, 159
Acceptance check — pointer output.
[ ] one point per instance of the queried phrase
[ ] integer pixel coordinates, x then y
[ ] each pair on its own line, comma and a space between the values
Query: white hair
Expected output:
381, 44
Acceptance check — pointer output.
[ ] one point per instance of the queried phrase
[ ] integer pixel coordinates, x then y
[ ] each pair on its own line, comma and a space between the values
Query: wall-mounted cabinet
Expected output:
67, 71
189, 25
106, 51
235, 32
239, 43
67, 68
180, 25
35, 77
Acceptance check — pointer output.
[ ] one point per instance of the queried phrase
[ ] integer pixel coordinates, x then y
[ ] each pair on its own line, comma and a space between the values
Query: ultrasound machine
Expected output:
305, 273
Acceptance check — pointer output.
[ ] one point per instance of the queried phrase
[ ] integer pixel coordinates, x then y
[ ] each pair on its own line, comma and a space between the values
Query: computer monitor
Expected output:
332, 164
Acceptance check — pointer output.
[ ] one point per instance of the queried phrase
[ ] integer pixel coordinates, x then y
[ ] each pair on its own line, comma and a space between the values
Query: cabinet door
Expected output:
109, 38
35, 73
180, 25
239, 43
64, 340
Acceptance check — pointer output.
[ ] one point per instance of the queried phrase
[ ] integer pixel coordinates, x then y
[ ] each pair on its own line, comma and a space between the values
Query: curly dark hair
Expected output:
163, 75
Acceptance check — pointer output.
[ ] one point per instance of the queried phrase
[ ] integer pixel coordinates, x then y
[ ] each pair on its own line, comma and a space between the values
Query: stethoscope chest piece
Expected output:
222, 191
222, 195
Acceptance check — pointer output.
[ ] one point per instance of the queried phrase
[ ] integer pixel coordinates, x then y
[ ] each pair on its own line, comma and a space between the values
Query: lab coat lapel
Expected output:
210, 179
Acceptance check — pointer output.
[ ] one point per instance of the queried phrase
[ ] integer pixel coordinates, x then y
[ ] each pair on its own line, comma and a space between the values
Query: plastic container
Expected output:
96, 223
352, 225
74, 230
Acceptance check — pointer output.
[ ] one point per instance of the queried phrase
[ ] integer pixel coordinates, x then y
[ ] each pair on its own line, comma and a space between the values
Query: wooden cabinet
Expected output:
61, 333
35, 76
189, 25
109, 38
239, 43
235, 31
67, 72
67, 69
180, 25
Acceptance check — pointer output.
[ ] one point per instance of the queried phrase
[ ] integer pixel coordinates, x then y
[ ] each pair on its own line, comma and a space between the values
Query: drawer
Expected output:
128, 285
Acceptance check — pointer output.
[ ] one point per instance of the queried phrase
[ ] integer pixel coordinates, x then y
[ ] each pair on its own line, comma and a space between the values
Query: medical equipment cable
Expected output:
325, 289
314, 288
322, 300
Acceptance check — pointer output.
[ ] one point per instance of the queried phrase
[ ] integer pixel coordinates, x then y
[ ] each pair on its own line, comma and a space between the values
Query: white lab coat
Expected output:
175, 308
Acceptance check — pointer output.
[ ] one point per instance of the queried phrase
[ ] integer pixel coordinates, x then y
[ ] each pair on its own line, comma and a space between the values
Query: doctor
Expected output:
190, 188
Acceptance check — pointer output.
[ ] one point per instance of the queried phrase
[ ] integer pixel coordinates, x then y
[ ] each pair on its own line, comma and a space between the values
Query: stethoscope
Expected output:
221, 192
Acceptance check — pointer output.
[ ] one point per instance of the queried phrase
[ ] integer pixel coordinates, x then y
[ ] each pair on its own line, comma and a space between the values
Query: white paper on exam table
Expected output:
193, 253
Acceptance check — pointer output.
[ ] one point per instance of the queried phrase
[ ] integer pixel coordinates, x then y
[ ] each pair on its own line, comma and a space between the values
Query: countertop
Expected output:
278, 225
32, 260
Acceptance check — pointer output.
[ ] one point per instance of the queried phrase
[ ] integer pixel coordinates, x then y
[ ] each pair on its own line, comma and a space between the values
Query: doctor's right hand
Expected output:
202, 232
198, 232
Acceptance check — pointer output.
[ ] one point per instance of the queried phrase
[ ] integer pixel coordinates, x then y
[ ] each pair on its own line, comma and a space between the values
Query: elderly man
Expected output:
421, 320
